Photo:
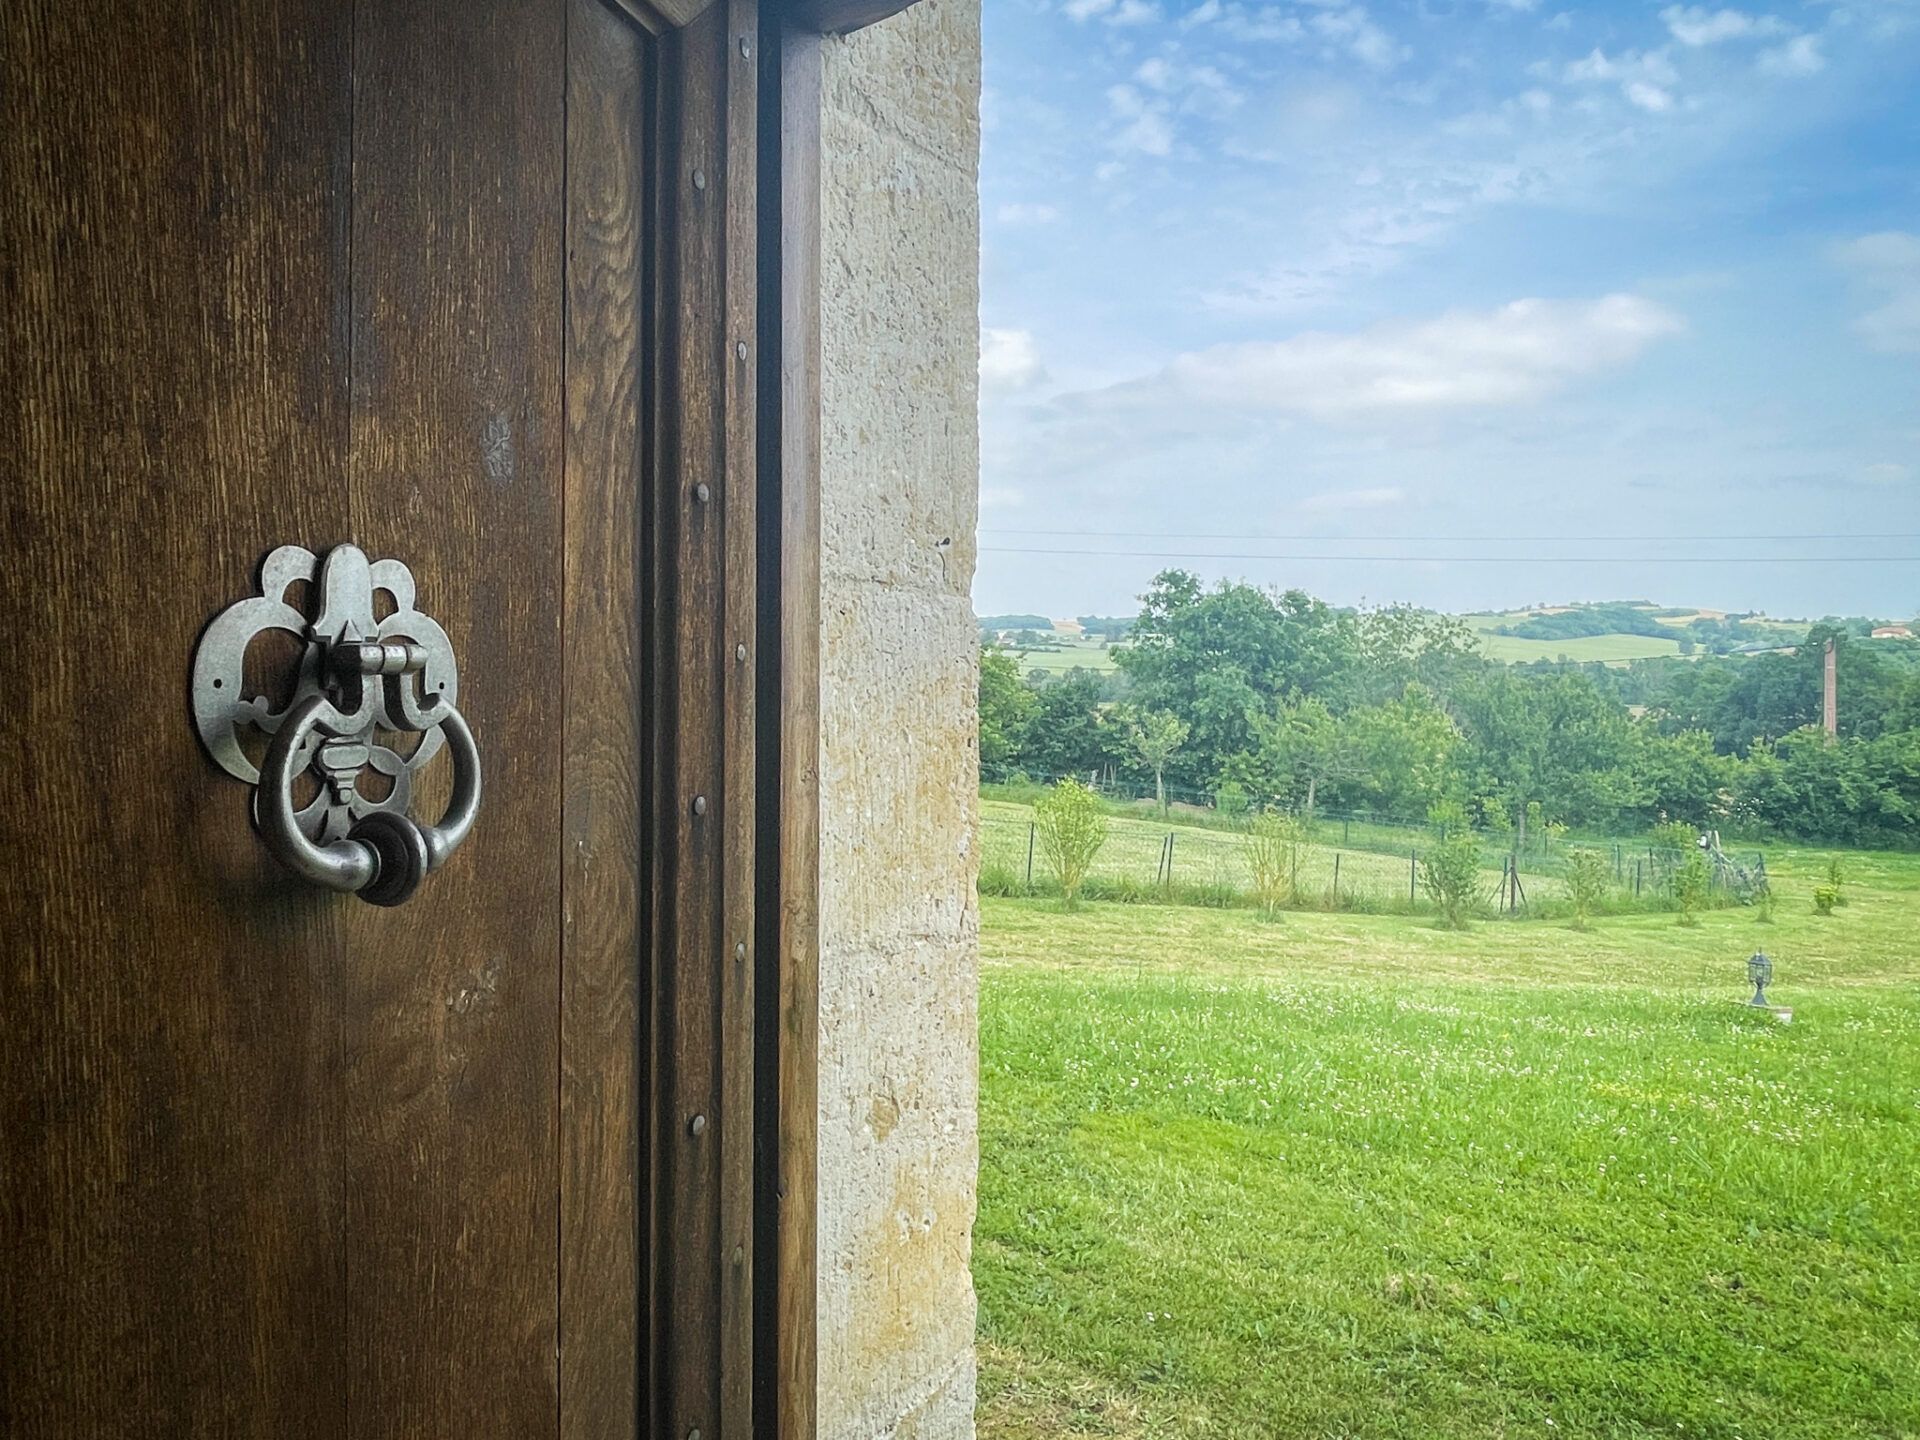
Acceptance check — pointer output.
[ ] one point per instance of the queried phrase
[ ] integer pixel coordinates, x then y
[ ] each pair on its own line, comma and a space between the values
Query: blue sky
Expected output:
1518, 280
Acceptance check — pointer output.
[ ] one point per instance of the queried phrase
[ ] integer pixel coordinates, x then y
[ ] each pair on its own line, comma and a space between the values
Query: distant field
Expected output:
1074, 654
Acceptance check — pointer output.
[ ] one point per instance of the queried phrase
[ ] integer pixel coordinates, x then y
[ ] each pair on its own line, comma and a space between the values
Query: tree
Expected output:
1156, 735
1587, 876
1220, 658
1404, 750
1450, 870
1006, 708
1301, 749
1068, 733
1071, 828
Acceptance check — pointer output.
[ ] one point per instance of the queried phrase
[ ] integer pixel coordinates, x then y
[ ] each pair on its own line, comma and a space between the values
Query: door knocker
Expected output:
357, 679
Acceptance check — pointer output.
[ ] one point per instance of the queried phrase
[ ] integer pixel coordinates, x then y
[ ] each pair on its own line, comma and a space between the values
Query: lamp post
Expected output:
1760, 971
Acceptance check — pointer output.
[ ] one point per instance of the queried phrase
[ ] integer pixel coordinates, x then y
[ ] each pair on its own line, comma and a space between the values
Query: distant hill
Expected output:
1612, 632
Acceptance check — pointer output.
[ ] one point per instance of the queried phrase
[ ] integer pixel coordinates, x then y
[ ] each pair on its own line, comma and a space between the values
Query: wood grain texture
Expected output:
451, 1080
173, 303
739, 603
797, 880
601, 1082
703, 601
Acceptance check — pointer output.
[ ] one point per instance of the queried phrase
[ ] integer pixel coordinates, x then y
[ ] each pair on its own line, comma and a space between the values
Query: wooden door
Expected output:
469, 285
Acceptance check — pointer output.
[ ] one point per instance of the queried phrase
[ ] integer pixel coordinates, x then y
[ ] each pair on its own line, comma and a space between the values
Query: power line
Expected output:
1472, 559
1463, 539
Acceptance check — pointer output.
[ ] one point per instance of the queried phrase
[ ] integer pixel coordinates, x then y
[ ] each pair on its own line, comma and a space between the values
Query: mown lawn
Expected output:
1345, 1176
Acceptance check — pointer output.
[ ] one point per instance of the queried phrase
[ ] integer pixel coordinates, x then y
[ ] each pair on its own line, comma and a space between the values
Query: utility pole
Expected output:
1831, 712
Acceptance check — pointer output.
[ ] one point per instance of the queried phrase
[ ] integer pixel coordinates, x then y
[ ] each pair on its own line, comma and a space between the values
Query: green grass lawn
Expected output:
1345, 1176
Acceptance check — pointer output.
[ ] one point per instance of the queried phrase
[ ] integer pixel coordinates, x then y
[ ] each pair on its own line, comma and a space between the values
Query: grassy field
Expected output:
1355, 1176
1074, 654
1613, 649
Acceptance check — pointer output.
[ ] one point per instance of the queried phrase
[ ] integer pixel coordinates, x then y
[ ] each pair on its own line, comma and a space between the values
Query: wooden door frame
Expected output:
722, 1169
786, 1227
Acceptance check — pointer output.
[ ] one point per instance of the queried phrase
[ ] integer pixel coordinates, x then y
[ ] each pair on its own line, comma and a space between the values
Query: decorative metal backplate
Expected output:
372, 698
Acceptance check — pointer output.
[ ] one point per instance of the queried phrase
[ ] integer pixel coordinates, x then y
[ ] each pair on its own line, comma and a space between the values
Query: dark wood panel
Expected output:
173, 404
601, 1088
739, 603
702, 1036
452, 1078
796, 880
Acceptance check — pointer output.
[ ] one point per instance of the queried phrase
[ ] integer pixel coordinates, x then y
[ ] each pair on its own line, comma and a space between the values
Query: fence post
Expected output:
1170, 860
1636, 879
1413, 877
1336, 877
1032, 827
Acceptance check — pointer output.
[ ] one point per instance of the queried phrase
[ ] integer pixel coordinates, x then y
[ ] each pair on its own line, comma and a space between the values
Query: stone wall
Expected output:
899, 920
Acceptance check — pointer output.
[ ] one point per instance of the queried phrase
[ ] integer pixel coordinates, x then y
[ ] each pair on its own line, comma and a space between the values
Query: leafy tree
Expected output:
1069, 733
1007, 707
1450, 868
1219, 658
1403, 752
1156, 736
1301, 750
1071, 828
1588, 874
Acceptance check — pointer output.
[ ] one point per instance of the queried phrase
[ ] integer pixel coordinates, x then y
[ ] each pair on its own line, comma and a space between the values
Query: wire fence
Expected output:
1341, 864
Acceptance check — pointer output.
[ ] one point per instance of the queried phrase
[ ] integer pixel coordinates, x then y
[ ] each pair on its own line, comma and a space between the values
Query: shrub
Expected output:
1836, 879
1825, 897
1273, 857
1450, 869
1071, 829
1692, 878
1586, 884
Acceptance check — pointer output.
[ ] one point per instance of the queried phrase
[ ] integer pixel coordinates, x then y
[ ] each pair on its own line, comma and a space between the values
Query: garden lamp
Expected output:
1759, 971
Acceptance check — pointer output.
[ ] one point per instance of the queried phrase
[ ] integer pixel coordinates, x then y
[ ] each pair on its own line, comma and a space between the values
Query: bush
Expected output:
1071, 829
1450, 870
1836, 879
1692, 879
1587, 876
1273, 858
1825, 897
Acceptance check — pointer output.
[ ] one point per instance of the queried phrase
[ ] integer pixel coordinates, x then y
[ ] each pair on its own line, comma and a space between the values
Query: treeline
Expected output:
1279, 697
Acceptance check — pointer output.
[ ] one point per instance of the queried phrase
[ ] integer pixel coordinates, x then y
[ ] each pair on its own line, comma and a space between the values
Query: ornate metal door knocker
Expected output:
357, 678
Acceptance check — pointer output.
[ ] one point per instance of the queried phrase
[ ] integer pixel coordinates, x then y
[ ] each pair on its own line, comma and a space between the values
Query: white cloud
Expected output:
1378, 497
1026, 213
1799, 56
1112, 12
1519, 6
1651, 66
1887, 473
1887, 266
1009, 360
1518, 353
1354, 31
1146, 128
1647, 97
1695, 25
1002, 497
1262, 24
1646, 79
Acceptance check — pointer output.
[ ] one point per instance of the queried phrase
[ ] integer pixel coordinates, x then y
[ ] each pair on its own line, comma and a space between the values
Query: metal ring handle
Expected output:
352, 865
